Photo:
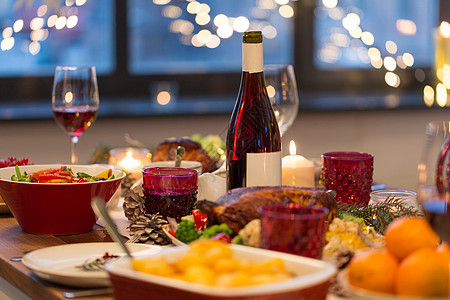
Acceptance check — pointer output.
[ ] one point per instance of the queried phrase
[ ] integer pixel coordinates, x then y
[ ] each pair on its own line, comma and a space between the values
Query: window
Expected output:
367, 46
360, 34
182, 37
195, 46
37, 38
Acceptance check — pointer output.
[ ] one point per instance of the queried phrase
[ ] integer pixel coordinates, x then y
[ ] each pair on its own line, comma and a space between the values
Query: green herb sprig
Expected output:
97, 264
379, 215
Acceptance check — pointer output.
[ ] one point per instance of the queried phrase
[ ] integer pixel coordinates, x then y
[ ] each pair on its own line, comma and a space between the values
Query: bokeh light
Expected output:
406, 27
202, 19
72, 21
7, 44
392, 79
193, 7
213, 42
391, 47
18, 25
286, 11
367, 38
80, 2
428, 95
7, 32
408, 59
400, 63
34, 48
444, 28
163, 98
241, 24
42, 10
51, 21
329, 3
269, 32
389, 63
36, 23
351, 21
172, 11
441, 95
225, 31
221, 20
60, 22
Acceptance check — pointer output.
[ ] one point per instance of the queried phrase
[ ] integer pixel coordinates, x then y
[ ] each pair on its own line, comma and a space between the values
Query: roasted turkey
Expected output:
167, 150
239, 206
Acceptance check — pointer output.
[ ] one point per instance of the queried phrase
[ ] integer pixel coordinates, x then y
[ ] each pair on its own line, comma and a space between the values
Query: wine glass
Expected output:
75, 101
433, 193
281, 87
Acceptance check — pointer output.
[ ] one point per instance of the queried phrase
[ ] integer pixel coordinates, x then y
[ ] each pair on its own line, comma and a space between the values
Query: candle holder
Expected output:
131, 160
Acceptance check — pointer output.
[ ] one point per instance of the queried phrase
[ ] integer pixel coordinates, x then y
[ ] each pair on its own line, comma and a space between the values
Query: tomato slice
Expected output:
200, 219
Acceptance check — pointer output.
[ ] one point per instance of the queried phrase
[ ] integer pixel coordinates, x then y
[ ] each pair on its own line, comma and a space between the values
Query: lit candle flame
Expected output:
292, 148
445, 29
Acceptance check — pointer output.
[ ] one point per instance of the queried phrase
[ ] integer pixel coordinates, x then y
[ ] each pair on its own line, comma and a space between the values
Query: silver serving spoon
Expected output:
99, 207
180, 153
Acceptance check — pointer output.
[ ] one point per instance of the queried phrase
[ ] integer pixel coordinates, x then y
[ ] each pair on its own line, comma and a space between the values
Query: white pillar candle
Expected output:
297, 170
130, 160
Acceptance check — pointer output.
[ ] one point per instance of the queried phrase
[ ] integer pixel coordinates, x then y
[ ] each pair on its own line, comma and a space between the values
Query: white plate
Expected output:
174, 240
59, 263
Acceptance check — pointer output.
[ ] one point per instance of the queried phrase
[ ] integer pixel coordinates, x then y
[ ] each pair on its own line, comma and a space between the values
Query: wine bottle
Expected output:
253, 139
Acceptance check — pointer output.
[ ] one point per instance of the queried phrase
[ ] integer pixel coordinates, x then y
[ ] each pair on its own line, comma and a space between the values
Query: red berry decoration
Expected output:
12, 161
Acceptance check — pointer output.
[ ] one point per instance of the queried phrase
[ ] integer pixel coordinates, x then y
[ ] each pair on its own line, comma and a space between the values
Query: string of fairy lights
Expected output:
389, 57
48, 16
363, 42
204, 29
196, 25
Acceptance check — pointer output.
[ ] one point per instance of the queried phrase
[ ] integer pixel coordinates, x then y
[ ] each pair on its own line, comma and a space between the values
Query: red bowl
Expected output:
311, 280
55, 208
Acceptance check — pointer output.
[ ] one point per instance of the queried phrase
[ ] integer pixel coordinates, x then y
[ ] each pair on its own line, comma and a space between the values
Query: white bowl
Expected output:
311, 281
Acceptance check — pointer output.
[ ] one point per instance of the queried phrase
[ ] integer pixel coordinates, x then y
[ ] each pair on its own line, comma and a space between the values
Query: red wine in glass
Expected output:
438, 215
74, 120
75, 101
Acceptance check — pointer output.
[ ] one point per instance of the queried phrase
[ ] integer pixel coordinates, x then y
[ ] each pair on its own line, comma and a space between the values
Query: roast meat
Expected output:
239, 206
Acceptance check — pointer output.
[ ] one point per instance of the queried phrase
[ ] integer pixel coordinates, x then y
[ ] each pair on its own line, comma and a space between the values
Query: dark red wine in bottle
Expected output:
253, 139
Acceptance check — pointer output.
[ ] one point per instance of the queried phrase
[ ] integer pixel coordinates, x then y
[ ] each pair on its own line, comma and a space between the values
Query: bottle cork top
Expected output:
252, 37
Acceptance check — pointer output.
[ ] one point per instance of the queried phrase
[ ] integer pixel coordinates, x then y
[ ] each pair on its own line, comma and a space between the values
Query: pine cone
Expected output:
126, 184
147, 229
133, 204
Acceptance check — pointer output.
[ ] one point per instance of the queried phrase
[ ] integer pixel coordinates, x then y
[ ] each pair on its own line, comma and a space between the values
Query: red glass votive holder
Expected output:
294, 229
349, 174
171, 192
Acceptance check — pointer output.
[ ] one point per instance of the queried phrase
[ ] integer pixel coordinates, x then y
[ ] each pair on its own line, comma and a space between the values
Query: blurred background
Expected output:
370, 74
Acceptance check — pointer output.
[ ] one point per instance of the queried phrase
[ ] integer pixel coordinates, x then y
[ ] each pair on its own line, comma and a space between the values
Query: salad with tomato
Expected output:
61, 175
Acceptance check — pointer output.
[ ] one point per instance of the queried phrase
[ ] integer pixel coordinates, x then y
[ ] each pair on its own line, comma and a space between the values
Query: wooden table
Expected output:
15, 243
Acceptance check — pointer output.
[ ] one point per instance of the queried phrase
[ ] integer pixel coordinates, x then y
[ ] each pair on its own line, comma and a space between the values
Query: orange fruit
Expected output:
373, 270
423, 274
407, 234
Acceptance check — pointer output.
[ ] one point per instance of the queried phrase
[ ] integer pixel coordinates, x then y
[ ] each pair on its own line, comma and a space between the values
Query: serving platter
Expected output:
60, 264
310, 281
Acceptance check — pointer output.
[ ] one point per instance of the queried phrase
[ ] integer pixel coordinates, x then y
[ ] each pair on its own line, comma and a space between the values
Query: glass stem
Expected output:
74, 157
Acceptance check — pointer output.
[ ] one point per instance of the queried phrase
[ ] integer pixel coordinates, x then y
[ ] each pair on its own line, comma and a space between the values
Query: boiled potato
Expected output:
212, 263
